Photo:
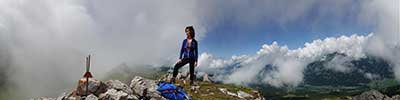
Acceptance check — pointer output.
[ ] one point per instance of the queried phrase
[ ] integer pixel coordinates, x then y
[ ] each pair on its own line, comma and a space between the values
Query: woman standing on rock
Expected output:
188, 54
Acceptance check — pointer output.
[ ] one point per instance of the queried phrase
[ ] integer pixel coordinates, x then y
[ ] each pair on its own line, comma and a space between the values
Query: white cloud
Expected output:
371, 76
340, 64
289, 72
288, 65
385, 15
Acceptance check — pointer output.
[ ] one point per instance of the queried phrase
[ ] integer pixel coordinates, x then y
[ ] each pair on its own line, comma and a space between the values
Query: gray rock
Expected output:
166, 78
231, 94
95, 87
132, 97
179, 75
113, 94
371, 95
43, 98
195, 89
242, 94
225, 91
119, 86
91, 97
145, 87
396, 97
71, 98
258, 95
206, 78
260, 98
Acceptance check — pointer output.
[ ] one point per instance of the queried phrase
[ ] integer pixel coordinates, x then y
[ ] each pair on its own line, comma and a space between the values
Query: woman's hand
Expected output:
195, 64
179, 61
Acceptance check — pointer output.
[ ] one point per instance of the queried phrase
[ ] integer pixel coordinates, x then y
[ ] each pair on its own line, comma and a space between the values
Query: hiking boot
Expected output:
172, 80
193, 83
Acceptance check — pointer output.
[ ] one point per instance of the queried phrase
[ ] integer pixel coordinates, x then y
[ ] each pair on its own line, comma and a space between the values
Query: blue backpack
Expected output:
172, 92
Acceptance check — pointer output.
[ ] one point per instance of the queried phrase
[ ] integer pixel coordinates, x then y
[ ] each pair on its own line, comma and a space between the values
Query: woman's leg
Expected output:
176, 68
191, 68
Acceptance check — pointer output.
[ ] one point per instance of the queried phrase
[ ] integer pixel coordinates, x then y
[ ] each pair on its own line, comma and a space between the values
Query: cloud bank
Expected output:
287, 65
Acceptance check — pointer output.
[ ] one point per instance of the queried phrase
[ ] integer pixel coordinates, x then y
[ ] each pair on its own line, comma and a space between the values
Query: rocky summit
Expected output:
141, 88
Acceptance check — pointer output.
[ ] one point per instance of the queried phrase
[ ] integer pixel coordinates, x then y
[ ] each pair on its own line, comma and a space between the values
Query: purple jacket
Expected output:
189, 51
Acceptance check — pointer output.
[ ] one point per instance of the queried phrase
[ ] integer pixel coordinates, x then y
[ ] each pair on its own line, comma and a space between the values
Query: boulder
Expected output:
119, 86
95, 87
206, 78
113, 94
145, 88
166, 78
91, 97
43, 98
258, 95
72, 98
396, 97
195, 89
226, 92
371, 95
243, 95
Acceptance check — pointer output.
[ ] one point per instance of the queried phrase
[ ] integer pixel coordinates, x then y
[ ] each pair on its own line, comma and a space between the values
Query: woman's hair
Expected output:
192, 33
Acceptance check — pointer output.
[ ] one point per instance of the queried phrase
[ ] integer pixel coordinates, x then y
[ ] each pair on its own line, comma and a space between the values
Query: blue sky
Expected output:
229, 38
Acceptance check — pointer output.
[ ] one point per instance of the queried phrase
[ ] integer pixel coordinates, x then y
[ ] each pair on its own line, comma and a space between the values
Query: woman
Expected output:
188, 54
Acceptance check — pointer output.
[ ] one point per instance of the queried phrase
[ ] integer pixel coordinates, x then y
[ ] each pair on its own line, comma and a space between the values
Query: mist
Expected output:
43, 43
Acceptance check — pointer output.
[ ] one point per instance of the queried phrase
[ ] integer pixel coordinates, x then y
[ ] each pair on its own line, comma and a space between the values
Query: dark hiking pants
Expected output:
183, 62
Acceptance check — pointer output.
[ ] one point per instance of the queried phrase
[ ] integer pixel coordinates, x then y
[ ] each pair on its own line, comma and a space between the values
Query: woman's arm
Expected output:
195, 51
183, 46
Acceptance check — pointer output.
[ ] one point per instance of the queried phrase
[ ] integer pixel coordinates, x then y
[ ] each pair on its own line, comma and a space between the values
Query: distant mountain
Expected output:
335, 69
361, 71
336, 76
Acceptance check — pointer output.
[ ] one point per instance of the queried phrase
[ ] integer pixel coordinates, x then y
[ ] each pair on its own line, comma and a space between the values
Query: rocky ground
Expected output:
141, 88
375, 95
